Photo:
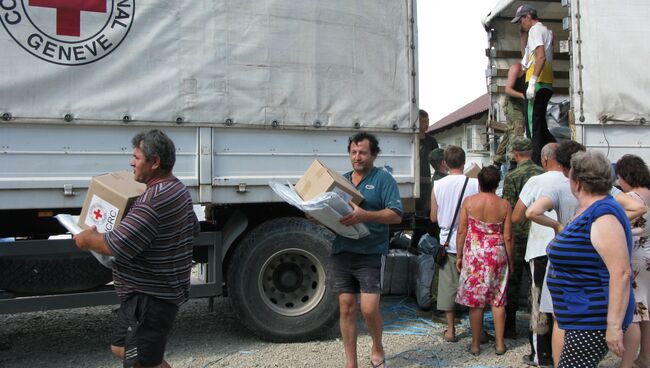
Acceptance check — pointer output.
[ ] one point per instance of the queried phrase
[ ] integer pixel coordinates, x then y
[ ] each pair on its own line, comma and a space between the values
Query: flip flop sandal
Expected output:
448, 339
500, 352
475, 353
378, 365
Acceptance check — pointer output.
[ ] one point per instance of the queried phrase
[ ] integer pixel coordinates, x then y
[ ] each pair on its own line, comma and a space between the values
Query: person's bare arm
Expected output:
92, 240
519, 213
358, 215
536, 213
508, 239
633, 208
461, 233
608, 238
433, 215
514, 72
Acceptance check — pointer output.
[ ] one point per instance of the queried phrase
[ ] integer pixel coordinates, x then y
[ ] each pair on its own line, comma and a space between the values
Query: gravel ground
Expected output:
80, 338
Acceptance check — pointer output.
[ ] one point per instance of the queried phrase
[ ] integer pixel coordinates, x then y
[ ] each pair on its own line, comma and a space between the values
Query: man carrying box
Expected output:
356, 265
152, 246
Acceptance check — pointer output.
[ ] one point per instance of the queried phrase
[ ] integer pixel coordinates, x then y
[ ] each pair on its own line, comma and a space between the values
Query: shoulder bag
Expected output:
440, 253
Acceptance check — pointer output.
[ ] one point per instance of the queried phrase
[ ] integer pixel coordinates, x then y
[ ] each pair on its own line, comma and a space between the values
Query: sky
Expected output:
452, 61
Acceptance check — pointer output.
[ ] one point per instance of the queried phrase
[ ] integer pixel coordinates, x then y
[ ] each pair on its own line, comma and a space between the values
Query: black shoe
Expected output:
486, 337
528, 360
510, 334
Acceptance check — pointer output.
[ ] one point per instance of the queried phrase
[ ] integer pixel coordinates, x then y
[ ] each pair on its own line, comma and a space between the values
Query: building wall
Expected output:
458, 136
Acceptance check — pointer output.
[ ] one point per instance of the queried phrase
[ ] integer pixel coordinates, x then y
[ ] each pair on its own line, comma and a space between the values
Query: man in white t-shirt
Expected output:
537, 61
538, 238
444, 202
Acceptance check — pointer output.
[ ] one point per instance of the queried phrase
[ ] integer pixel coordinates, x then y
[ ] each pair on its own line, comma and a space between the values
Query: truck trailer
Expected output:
250, 91
600, 80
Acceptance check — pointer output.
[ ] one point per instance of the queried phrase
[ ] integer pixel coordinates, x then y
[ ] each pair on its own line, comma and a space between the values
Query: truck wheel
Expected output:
276, 281
40, 275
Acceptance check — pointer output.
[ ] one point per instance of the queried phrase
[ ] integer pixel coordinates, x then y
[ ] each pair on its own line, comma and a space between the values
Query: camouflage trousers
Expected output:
515, 119
513, 289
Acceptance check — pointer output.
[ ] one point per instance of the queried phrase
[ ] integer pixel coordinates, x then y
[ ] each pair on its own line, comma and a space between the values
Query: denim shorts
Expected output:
355, 273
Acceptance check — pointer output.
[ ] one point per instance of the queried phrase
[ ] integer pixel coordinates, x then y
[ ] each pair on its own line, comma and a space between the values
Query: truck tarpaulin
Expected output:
204, 61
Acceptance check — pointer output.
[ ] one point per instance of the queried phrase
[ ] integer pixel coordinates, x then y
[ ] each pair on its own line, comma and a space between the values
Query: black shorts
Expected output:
142, 327
355, 273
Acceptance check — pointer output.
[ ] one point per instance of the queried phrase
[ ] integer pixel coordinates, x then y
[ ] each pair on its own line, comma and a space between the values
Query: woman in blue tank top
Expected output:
589, 274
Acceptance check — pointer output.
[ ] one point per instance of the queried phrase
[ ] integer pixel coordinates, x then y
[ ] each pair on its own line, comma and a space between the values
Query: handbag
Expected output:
440, 252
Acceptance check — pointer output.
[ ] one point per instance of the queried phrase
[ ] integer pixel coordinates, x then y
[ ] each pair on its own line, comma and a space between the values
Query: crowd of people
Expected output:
586, 252
581, 240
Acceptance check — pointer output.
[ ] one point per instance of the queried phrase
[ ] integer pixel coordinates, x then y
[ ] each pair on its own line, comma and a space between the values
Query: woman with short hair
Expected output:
634, 179
589, 274
484, 255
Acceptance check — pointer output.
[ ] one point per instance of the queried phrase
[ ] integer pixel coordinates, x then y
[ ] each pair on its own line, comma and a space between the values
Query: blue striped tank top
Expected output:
578, 278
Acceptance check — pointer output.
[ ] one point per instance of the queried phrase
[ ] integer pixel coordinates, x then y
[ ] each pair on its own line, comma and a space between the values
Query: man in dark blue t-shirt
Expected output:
356, 265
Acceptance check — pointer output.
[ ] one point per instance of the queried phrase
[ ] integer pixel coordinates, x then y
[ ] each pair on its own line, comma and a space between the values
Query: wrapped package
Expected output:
327, 208
71, 224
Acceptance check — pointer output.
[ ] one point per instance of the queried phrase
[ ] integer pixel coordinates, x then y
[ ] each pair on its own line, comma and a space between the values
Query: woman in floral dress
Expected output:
634, 179
485, 251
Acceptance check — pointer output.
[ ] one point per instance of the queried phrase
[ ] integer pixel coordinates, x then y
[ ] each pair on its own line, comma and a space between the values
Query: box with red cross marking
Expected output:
109, 198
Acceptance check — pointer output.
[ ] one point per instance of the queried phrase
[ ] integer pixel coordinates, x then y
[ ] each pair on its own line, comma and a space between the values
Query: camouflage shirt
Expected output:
512, 185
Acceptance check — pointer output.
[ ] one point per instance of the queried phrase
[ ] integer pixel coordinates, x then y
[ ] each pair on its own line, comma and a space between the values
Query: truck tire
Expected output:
276, 281
52, 275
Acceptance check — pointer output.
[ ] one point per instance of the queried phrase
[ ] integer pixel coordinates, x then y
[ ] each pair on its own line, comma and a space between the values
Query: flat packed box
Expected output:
109, 198
320, 179
472, 171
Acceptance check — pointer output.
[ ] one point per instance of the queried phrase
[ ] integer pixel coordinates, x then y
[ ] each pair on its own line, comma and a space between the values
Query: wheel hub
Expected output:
287, 277
292, 282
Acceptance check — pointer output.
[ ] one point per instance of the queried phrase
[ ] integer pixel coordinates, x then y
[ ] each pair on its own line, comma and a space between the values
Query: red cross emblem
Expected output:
98, 214
68, 13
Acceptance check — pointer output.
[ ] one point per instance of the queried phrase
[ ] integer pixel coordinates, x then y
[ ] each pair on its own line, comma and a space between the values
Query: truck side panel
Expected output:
219, 165
611, 83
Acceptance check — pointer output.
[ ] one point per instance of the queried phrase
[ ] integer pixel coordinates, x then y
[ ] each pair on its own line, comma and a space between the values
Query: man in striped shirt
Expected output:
152, 246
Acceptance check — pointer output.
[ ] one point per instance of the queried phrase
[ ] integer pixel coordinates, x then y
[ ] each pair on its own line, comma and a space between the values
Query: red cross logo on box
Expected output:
68, 13
98, 214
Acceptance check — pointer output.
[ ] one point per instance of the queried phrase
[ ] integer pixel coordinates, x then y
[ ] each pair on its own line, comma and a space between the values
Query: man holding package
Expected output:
356, 265
152, 246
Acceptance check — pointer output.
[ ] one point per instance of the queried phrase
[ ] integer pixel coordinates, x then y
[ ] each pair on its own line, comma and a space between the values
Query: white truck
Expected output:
250, 91
599, 68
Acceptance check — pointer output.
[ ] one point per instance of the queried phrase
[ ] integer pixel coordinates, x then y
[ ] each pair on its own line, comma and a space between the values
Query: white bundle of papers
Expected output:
327, 208
71, 224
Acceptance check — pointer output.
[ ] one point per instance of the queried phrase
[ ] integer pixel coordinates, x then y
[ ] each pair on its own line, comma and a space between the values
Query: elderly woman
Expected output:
634, 178
484, 252
589, 273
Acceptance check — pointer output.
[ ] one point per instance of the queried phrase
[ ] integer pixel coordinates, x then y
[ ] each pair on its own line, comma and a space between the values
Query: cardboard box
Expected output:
109, 198
472, 171
319, 179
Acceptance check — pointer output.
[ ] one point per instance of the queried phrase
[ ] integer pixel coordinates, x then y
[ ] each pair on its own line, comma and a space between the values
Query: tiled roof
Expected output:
471, 110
